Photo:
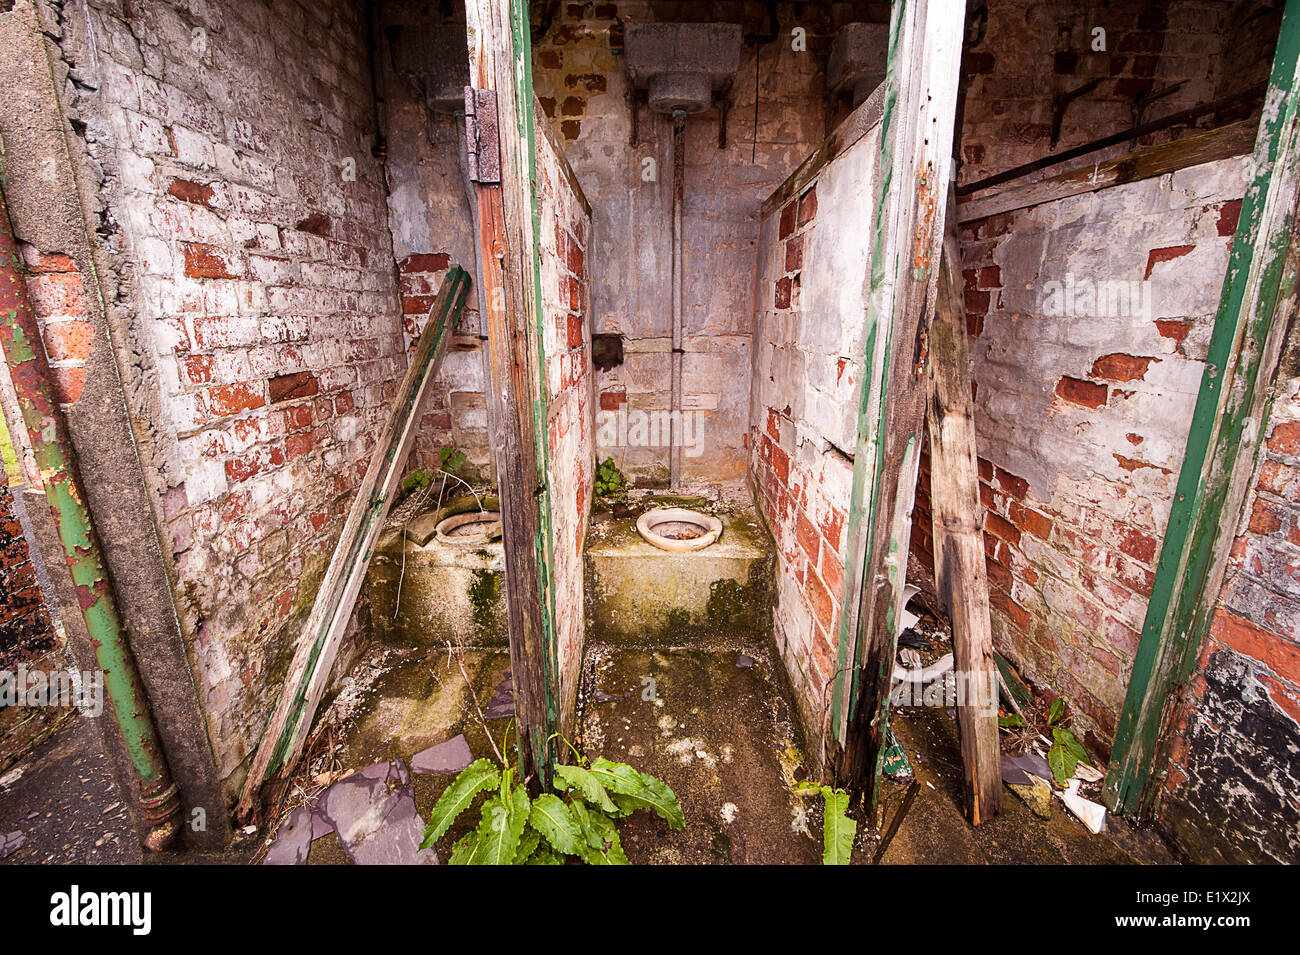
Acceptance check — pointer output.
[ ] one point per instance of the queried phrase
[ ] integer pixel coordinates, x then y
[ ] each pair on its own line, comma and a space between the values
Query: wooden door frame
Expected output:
509, 253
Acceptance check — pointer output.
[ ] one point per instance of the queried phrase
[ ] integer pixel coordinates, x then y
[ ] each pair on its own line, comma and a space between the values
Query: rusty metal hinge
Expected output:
484, 147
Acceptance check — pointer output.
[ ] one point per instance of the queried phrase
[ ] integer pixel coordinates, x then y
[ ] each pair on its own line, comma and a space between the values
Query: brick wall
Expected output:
1082, 416
1017, 59
1235, 766
247, 212
566, 341
808, 350
432, 227
581, 84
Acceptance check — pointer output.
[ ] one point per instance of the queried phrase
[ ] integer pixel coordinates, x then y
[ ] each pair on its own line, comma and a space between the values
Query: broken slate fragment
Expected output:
744, 661
1020, 770
11, 842
502, 704
444, 759
293, 840
373, 813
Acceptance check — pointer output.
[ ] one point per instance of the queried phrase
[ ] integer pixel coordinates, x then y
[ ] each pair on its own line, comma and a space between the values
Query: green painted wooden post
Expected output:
913, 170
500, 53
1224, 441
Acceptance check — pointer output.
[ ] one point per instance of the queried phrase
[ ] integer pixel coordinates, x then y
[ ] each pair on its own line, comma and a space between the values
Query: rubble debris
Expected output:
1091, 814
502, 704
444, 759
292, 839
11, 842
373, 812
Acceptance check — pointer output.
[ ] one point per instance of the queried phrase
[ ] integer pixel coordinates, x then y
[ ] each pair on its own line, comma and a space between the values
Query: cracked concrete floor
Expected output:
720, 735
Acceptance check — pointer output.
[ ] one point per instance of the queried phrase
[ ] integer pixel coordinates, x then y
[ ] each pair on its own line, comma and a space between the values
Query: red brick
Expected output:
781, 299
1089, 394
781, 464
68, 384
1285, 438
1121, 367
38, 261
575, 331
999, 526
1017, 487
1229, 213
188, 191
203, 261
1266, 517
820, 602
1030, 521
1165, 255
296, 445
1249, 639
1011, 610
68, 341
316, 224
990, 277
808, 206
789, 217
226, 400
794, 254
806, 534
198, 369
420, 262
1174, 328
612, 400
302, 384
1138, 545
58, 294
977, 302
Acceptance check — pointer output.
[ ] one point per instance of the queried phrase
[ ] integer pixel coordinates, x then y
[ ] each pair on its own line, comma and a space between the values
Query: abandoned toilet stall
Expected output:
607, 373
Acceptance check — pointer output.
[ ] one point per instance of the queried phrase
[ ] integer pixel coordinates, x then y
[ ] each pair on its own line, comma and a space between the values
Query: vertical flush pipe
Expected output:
679, 174
24, 353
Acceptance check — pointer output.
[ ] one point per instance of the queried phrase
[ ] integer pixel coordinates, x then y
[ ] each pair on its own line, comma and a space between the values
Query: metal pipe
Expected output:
675, 419
47, 431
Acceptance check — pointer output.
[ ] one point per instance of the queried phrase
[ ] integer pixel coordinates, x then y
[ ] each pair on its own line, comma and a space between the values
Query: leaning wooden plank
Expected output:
1202, 147
1256, 305
959, 570
914, 170
509, 262
305, 683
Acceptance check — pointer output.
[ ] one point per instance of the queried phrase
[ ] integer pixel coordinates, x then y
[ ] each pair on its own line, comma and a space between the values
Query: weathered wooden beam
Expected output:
960, 574
500, 59
914, 170
1225, 438
309, 671
1202, 147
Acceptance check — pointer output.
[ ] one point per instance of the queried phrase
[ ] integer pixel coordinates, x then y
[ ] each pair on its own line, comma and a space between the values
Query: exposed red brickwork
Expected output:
1232, 763
1013, 66
58, 297
804, 503
254, 223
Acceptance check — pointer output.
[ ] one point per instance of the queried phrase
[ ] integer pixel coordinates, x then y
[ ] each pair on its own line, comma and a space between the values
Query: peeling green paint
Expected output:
1222, 428
52, 449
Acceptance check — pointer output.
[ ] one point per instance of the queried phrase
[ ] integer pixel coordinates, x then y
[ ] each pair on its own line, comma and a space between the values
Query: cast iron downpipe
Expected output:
675, 418
46, 429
